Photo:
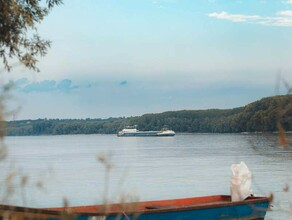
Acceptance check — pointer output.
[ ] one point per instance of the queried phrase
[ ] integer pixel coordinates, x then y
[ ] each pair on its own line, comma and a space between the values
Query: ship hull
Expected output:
146, 134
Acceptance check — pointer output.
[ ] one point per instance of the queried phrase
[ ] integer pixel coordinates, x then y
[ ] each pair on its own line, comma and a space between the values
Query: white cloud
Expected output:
288, 2
234, 17
160, 3
285, 13
282, 18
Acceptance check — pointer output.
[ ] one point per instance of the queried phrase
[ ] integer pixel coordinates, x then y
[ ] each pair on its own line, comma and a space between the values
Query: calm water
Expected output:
144, 168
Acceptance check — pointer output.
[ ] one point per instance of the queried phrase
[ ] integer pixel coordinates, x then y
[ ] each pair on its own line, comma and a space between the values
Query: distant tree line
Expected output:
260, 116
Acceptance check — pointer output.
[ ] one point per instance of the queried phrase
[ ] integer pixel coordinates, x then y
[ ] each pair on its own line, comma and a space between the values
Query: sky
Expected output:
119, 58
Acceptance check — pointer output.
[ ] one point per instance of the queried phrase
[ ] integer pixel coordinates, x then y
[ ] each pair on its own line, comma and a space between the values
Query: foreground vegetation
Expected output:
264, 115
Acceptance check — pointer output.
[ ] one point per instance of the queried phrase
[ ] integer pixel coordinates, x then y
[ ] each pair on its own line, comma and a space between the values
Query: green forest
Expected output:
264, 115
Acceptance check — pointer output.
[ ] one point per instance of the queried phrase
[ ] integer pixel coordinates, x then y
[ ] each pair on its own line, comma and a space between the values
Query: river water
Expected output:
42, 171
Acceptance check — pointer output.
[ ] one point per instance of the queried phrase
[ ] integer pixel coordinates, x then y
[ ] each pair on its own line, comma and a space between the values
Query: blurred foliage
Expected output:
19, 39
20, 43
264, 115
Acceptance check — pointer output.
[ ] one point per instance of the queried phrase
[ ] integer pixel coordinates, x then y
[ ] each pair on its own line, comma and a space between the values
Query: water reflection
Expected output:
267, 145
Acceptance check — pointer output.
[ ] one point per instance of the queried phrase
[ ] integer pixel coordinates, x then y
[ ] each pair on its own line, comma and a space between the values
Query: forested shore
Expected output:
265, 115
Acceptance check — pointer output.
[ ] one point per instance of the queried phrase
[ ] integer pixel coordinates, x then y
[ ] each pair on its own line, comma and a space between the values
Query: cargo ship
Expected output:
134, 132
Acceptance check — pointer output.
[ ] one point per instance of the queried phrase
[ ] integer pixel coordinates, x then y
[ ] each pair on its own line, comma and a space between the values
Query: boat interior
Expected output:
199, 202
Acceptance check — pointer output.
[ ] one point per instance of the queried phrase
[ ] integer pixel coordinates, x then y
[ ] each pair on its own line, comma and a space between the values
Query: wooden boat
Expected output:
208, 207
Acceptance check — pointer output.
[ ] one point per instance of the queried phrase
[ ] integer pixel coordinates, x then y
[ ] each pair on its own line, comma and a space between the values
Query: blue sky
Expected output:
130, 57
